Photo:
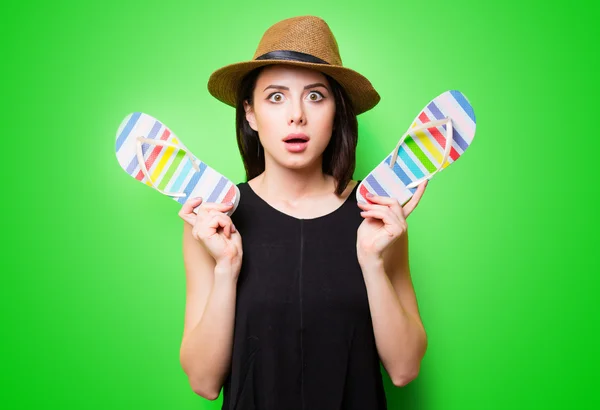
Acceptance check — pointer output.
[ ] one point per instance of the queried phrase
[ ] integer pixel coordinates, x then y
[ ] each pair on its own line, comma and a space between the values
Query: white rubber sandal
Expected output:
439, 135
151, 153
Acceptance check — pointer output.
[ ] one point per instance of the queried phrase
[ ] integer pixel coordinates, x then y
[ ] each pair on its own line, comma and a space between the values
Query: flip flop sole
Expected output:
422, 151
172, 169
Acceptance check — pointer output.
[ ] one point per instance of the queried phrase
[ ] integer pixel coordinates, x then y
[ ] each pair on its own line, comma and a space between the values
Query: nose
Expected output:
297, 115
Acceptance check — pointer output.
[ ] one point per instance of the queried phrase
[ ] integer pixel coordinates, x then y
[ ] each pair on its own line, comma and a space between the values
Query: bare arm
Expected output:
205, 352
382, 246
399, 332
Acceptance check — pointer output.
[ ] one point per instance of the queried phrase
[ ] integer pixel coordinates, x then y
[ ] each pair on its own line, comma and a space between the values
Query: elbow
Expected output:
410, 372
206, 392
403, 379
204, 387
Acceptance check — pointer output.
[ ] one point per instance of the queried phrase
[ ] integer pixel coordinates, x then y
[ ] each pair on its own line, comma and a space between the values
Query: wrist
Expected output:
226, 270
370, 262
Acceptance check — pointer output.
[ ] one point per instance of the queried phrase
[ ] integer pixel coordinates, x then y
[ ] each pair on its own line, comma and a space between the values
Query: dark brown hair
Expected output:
339, 158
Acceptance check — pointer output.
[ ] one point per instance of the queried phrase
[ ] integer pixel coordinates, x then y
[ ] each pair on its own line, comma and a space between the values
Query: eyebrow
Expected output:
281, 87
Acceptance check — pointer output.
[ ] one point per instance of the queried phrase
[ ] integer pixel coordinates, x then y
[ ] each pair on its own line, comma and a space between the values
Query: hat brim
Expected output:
224, 82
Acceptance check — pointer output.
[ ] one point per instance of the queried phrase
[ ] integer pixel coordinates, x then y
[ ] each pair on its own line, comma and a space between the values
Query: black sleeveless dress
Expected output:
303, 336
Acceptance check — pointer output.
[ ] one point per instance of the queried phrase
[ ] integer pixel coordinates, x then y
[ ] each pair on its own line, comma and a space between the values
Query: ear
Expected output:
250, 117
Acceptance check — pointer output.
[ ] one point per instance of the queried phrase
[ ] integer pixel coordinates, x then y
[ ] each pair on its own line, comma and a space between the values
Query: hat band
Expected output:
292, 56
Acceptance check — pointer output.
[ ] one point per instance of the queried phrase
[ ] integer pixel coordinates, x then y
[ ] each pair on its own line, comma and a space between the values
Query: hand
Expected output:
215, 231
385, 222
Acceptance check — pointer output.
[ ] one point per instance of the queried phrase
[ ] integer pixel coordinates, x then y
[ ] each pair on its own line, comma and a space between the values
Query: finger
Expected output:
382, 200
208, 209
414, 201
396, 210
364, 205
217, 210
218, 221
391, 228
222, 207
207, 229
237, 241
231, 230
189, 205
388, 201
189, 218
186, 213
386, 217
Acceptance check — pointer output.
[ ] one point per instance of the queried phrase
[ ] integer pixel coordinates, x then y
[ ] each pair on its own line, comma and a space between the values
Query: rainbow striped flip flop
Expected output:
167, 165
439, 135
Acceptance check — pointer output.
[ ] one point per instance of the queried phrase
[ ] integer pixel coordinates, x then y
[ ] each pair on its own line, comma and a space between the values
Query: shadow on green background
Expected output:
502, 245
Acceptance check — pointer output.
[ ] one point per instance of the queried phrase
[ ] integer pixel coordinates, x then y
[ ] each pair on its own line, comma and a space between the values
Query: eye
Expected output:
276, 97
315, 96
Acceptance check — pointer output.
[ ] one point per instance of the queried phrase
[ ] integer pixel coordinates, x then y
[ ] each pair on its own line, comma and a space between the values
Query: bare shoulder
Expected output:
349, 188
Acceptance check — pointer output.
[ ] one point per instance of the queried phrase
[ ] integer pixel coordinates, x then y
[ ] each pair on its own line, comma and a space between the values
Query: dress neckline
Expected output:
332, 213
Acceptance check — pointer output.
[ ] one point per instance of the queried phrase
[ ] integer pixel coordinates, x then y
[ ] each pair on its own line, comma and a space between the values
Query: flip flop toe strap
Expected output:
449, 137
140, 158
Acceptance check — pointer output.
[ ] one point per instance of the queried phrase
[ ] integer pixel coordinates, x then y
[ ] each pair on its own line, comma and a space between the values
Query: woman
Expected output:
301, 315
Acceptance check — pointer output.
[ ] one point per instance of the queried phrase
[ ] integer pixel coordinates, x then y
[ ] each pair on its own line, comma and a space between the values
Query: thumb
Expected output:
191, 204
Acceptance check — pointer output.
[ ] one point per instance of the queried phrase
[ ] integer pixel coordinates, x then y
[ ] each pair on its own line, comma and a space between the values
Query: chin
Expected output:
297, 163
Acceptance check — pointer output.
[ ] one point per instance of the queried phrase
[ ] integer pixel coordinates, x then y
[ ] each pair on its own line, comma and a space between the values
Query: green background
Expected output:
502, 245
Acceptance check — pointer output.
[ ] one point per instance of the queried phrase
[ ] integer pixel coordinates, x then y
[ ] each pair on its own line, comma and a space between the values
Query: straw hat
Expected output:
305, 41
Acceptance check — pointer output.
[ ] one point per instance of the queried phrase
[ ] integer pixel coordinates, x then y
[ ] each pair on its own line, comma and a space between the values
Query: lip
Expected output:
297, 136
296, 147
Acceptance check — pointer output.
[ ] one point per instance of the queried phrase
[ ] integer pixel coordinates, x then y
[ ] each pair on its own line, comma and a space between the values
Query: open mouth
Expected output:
296, 145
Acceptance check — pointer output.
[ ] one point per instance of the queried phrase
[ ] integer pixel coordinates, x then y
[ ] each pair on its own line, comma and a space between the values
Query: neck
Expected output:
291, 185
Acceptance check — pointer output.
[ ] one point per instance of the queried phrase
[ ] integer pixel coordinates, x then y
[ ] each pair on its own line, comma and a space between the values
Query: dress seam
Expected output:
301, 316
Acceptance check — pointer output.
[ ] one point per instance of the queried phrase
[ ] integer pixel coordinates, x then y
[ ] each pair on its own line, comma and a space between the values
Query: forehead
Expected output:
288, 75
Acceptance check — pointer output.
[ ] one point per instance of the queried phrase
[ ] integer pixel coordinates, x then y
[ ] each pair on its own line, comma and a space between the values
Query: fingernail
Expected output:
369, 195
229, 203
198, 197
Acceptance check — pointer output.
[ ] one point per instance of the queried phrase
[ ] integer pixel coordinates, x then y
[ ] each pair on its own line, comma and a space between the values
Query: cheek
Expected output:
266, 120
324, 117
